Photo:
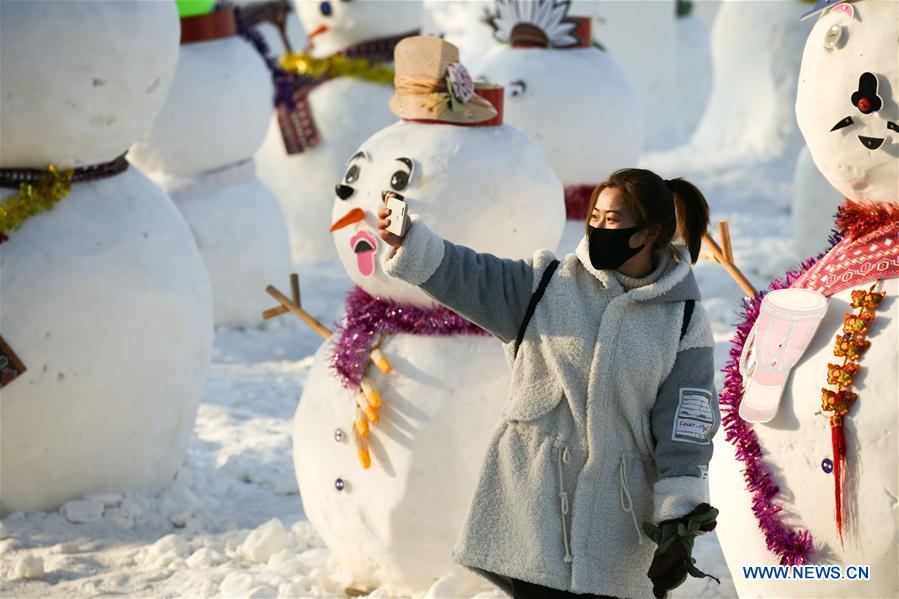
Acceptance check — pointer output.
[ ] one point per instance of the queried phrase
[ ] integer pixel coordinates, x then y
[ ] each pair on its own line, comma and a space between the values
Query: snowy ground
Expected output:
233, 525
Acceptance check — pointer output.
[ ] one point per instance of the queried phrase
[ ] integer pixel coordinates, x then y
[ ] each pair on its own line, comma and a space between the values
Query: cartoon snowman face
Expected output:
488, 188
846, 103
332, 25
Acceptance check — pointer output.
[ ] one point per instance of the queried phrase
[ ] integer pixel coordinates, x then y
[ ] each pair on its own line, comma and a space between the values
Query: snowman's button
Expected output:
339, 484
338, 435
827, 465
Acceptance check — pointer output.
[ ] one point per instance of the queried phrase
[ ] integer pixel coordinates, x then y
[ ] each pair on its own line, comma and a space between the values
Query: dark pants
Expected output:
529, 590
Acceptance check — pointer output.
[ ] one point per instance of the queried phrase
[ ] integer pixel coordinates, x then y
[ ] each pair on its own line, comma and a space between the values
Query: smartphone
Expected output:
397, 206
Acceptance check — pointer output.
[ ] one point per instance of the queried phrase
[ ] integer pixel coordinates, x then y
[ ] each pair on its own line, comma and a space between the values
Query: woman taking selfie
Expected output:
606, 434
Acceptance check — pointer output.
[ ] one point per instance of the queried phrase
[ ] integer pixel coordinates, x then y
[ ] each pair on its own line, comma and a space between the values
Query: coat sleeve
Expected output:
489, 291
684, 420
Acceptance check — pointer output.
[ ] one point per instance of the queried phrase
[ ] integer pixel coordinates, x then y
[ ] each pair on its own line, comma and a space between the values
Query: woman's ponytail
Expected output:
692, 214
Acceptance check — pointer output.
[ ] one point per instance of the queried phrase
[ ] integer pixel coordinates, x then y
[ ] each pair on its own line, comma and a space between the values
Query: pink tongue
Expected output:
366, 263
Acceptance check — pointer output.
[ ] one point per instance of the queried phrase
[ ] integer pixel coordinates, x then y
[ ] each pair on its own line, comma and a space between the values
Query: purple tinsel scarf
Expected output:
368, 316
792, 546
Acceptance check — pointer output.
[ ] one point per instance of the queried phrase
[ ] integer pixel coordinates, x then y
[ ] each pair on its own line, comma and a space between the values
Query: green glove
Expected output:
673, 558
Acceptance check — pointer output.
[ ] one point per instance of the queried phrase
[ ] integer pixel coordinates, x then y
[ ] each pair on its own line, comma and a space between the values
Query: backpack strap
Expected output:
535, 299
688, 314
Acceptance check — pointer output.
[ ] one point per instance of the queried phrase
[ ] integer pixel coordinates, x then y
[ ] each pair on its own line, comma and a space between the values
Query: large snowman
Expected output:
341, 99
477, 182
105, 297
203, 157
572, 98
847, 111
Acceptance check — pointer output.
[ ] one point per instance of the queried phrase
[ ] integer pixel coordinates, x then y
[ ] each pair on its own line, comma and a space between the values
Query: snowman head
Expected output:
470, 178
574, 99
81, 81
846, 104
332, 25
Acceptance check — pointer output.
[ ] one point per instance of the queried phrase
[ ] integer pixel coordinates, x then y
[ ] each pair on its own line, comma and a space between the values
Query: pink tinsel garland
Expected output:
792, 546
368, 316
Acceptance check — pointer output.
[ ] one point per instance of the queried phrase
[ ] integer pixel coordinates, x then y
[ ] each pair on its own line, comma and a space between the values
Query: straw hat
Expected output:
432, 85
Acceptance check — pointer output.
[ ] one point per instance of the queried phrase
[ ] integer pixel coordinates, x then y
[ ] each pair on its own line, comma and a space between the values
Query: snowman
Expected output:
386, 474
207, 166
756, 49
815, 479
343, 85
106, 302
571, 97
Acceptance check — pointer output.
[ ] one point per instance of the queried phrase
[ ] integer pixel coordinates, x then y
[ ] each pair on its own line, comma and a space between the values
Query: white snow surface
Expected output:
238, 474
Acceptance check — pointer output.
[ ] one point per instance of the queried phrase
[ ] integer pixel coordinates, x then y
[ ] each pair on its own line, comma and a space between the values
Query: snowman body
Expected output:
847, 41
797, 441
204, 159
491, 189
346, 111
105, 297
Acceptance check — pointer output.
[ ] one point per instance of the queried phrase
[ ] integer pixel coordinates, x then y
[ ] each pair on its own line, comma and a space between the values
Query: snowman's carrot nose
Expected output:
353, 216
317, 31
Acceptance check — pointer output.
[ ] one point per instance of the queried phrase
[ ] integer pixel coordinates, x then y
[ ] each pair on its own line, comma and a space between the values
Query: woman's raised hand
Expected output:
393, 240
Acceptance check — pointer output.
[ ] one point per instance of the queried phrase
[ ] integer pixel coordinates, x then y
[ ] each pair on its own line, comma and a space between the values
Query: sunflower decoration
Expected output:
534, 23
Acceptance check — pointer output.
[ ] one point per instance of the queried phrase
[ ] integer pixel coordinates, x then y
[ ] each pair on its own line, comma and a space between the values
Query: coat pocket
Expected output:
530, 402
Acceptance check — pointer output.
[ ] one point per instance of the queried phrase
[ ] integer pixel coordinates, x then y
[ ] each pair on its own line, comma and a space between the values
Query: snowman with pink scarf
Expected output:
809, 406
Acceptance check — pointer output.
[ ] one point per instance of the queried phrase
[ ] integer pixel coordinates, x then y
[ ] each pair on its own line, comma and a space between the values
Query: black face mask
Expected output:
609, 248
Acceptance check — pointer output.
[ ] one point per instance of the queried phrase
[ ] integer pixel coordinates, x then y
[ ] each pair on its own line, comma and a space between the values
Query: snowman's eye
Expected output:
517, 88
835, 37
352, 174
400, 178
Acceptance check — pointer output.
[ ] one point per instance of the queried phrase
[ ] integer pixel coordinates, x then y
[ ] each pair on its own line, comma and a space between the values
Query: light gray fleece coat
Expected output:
609, 417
